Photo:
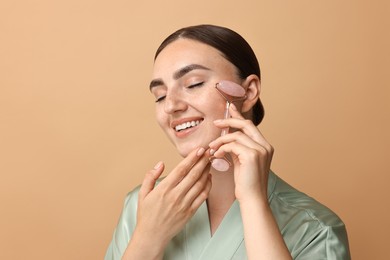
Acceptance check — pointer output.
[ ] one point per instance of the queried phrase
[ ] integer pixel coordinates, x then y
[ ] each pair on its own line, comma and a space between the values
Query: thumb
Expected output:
150, 180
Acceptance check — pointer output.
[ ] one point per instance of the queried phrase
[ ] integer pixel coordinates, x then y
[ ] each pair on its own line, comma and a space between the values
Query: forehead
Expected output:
183, 52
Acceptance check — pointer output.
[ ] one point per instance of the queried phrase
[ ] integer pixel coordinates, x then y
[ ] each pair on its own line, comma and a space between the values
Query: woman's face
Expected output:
187, 103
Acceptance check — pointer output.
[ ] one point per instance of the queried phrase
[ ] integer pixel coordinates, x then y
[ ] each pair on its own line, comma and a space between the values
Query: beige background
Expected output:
77, 123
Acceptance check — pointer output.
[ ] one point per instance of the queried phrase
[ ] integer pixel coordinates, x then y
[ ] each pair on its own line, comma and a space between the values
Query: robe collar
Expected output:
199, 244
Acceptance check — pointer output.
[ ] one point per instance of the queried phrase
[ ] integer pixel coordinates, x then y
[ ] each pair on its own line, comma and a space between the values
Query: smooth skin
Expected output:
252, 156
185, 93
164, 210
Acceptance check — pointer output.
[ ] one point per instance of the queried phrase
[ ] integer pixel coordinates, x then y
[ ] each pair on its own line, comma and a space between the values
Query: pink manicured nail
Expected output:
158, 165
233, 107
200, 151
212, 151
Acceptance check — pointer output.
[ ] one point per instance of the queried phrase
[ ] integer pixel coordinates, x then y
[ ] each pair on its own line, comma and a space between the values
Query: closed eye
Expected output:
160, 99
196, 85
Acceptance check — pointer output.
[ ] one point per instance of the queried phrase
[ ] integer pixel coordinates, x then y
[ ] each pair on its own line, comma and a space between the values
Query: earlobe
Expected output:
252, 85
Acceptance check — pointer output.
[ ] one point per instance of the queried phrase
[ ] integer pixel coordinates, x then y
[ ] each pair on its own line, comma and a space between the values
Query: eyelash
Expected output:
196, 85
189, 87
159, 99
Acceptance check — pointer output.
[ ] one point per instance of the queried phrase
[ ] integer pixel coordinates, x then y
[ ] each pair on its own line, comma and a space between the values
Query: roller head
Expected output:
221, 165
231, 88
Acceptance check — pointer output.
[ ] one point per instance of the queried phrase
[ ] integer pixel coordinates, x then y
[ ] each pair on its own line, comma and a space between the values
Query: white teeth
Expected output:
187, 125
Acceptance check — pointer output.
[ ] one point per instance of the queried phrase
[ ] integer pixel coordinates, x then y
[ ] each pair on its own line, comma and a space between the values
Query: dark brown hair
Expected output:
231, 45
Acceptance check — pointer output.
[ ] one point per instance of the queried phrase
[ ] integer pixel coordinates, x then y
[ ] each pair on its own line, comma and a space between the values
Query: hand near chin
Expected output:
164, 209
250, 152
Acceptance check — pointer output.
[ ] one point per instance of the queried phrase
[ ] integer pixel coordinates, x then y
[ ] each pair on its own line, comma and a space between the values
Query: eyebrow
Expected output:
178, 74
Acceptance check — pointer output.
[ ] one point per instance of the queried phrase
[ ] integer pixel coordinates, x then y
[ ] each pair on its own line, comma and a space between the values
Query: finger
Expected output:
234, 113
240, 138
244, 125
203, 195
150, 180
194, 174
244, 153
197, 187
182, 169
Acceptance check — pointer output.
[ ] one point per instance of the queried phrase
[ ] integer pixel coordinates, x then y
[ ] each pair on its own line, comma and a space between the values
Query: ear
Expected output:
252, 85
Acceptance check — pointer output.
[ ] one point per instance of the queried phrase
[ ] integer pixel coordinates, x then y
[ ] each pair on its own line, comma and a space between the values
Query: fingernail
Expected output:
217, 121
158, 165
233, 107
200, 151
212, 151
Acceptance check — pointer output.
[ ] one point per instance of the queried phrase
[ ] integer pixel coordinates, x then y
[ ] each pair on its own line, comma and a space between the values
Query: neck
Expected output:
221, 197
222, 191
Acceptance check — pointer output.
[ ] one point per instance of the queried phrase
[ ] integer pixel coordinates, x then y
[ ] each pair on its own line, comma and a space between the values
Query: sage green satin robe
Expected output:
310, 230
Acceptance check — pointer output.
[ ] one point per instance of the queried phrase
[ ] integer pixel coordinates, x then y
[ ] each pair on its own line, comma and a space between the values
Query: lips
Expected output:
185, 123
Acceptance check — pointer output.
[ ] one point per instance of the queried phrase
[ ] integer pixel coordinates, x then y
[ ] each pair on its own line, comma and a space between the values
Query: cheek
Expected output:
216, 106
213, 103
218, 111
160, 117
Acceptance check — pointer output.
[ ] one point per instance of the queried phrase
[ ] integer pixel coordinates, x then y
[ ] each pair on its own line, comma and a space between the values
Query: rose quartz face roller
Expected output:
231, 92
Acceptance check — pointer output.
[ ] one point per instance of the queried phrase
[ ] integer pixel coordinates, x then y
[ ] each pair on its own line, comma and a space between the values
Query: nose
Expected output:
174, 102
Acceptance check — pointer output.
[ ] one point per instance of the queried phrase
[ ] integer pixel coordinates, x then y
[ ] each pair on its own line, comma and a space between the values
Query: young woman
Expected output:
197, 212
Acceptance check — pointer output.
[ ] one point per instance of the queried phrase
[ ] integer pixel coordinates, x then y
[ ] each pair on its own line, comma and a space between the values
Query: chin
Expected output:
185, 147
186, 150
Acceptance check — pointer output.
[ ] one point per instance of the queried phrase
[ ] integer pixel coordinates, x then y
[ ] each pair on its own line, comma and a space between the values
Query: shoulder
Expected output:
125, 226
131, 198
308, 227
129, 211
286, 198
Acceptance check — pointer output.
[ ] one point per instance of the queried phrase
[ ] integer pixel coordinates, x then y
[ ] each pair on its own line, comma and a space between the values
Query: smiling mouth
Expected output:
187, 125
